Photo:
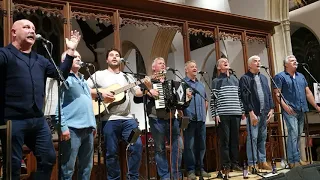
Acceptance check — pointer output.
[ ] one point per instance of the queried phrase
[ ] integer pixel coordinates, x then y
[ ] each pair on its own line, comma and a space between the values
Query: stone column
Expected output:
281, 40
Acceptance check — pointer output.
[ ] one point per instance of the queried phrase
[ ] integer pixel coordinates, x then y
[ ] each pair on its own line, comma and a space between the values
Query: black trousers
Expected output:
229, 140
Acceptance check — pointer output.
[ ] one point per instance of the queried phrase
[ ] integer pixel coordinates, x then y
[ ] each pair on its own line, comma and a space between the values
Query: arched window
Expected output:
306, 48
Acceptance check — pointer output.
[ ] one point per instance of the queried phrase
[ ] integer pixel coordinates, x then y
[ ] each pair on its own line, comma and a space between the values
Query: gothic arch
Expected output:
127, 46
306, 48
161, 46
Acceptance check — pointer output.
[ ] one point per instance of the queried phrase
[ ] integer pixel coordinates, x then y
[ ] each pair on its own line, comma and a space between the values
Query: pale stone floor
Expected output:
237, 175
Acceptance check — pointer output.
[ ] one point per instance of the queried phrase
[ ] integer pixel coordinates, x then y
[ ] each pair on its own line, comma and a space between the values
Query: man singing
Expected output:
257, 102
226, 109
22, 82
78, 124
195, 134
296, 92
120, 120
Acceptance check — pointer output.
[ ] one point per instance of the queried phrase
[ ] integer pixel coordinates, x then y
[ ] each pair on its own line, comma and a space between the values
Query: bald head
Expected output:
23, 34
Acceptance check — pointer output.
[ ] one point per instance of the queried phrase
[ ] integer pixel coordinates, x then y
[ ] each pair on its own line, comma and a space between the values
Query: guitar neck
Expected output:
124, 88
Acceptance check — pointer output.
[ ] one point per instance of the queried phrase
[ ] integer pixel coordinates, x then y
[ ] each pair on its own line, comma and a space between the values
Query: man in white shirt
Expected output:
120, 122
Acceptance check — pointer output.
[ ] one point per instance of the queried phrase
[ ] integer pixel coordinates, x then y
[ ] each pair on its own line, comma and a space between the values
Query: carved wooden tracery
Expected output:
147, 23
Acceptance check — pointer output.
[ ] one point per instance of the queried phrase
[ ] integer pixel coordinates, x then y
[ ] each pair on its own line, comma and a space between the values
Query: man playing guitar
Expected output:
120, 122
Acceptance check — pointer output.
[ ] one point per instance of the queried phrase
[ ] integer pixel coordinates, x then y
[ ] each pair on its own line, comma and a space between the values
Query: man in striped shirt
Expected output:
227, 110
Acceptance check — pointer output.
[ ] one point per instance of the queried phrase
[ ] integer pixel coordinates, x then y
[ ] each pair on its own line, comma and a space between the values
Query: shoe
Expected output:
236, 167
225, 174
303, 163
191, 176
264, 166
203, 173
291, 165
253, 170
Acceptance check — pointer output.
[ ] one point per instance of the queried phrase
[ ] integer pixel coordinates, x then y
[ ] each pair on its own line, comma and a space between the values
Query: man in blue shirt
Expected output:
296, 92
195, 134
77, 124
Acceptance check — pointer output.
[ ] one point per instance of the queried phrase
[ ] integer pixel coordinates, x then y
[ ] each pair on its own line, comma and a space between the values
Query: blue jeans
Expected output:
79, 145
160, 129
194, 145
259, 137
36, 135
113, 131
295, 127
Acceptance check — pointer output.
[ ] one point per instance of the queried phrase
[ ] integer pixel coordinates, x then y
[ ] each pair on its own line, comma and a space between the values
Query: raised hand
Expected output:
74, 40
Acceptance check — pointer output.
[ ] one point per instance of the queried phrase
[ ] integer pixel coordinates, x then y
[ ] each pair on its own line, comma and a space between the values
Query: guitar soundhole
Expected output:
112, 92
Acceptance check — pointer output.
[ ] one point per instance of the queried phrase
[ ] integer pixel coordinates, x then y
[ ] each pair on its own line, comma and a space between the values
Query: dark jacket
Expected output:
249, 93
22, 82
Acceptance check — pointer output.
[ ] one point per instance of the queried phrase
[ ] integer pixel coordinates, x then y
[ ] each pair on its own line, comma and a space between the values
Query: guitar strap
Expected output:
125, 76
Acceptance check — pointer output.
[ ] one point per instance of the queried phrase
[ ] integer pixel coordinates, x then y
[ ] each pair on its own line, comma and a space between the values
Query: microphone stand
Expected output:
254, 170
145, 88
195, 92
249, 100
283, 129
219, 175
307, 121
99, 99
61, 78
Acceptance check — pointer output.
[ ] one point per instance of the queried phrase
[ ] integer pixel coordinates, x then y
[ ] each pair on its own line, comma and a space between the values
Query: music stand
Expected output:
144, 89
316, 87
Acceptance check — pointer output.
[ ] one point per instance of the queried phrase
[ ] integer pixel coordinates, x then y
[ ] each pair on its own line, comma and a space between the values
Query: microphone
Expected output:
202, 72
232, 71
303, 64
264, 67
39, 37
124, 61
84, 64
171, 69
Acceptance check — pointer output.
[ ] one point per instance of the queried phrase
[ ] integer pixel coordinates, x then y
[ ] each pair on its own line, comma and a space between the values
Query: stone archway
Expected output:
161, 46
306, 48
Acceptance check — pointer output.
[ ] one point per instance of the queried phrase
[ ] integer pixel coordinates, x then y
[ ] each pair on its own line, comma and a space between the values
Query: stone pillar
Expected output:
281, 40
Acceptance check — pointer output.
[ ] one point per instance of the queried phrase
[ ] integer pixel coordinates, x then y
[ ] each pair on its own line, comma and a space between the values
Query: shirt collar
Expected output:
189, 80
252, 75
295, 73
80, 76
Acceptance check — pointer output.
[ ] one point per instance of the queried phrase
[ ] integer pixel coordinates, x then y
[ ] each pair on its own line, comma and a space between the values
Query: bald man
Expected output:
22, 85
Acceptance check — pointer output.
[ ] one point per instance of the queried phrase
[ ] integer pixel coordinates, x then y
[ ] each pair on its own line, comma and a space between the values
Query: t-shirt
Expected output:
104, 79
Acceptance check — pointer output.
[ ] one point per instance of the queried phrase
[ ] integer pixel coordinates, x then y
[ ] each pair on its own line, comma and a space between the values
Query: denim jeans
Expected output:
229, 140
259, 137
36, 135
113, 131
194, 145
79, 145
295, 127
160, 129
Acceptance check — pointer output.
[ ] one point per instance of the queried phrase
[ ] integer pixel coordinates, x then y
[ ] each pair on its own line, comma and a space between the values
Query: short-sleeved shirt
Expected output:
293, 89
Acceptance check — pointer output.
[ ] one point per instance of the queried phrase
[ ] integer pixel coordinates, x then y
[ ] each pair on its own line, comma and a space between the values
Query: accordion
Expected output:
172, 94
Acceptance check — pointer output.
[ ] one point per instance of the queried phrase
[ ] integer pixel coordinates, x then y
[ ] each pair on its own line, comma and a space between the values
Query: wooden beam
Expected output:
244, 50
66, 24
7, 21
217, 43
156, 8
186, 41
116, 28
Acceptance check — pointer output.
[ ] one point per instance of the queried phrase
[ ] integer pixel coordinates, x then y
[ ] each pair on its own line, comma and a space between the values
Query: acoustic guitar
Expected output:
119, 93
